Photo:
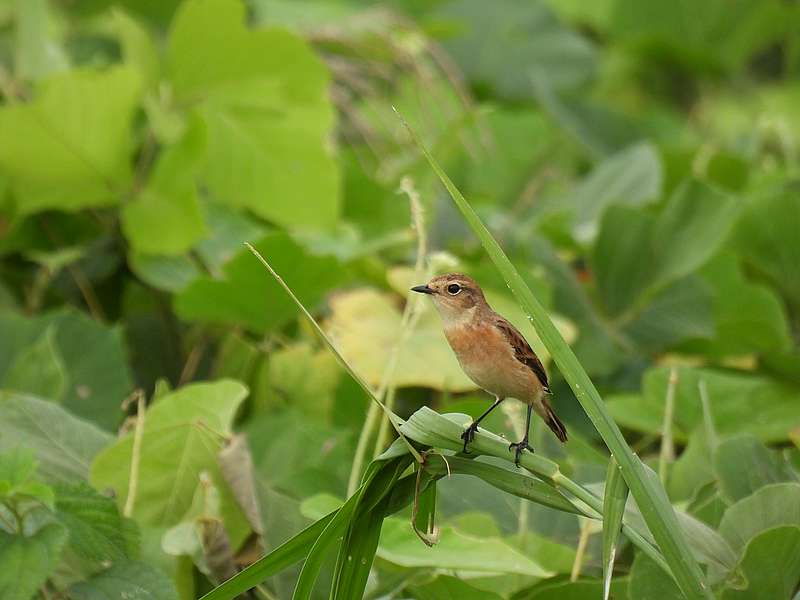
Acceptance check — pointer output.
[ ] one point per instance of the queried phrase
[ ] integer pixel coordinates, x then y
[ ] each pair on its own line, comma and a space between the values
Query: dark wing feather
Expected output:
522, 350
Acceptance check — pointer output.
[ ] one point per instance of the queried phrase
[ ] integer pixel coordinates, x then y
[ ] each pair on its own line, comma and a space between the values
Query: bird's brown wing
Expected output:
522, 350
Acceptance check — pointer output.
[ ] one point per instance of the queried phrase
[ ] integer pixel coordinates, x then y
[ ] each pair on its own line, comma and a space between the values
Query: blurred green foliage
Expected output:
639, 161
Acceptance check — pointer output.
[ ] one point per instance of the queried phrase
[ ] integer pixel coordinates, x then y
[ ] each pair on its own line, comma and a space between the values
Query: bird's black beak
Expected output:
422, 289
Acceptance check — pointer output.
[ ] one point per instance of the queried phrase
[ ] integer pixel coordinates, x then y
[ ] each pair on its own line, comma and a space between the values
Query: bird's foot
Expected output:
468, 436
520, 447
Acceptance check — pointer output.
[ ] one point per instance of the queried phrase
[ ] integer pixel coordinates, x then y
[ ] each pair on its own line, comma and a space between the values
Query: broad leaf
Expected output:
743, 465
97, 532
454, 551
263, 96
72, 143
126, 579
503, 49
770, 566
772, 506
245, 296
182, 435
92, 355
166, 217
27, 561
734, 399
63, 444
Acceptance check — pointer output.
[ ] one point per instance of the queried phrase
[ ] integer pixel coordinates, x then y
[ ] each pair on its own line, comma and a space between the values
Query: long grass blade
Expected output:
284, 556
658, 514
393, 418
614, 499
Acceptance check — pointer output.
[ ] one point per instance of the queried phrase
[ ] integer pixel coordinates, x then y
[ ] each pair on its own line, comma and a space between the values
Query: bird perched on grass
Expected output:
492, 352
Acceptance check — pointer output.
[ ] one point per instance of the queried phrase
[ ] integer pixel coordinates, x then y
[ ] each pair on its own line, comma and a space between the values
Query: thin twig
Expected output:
708, 418
667, 454
136, 453
411, 312
386, 391
580, 553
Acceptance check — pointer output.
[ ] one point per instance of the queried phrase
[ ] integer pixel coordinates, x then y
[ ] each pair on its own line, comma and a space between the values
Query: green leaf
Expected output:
614, 499
93, 358
168, 273
623, 257
574, 590
772, 506
658, 513
632, 177
126, 579
735, 398
263, 95
183, 433
455, 550
71, 144
38, 369
743, 465
766, 236
17, 470
166, 218
27, 561
96, 530
693, 225
138, 47
504, 48
704, 35
446, 586
770, 566
601, 130
748, 317
245, 297
38, 54
649, 582
63, 444
637, 253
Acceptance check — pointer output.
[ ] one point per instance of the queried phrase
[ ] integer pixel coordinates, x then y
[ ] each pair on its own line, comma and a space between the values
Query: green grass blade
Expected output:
393, 418
518, 484
284, 556
357, 550
614, 499
657, 513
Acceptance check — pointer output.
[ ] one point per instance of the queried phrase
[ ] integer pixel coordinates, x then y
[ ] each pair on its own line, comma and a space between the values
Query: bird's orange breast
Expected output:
488, 359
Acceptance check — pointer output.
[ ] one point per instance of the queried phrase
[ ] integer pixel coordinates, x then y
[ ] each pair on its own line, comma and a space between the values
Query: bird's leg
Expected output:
469, 432
522, 445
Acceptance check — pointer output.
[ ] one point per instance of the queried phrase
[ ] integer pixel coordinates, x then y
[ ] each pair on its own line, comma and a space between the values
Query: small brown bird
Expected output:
492, 353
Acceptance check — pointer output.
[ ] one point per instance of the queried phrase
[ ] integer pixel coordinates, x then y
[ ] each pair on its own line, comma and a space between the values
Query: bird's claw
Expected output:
520, 446
468, 436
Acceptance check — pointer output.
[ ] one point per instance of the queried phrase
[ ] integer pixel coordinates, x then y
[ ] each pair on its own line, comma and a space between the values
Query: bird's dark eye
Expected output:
453, 289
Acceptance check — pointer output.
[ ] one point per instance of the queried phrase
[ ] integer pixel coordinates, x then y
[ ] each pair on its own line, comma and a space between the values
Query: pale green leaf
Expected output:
72, 142
263, 95
182, 436
166, 217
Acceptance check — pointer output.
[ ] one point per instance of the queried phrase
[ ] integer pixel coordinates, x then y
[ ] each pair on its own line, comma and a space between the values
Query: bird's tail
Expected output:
554, 423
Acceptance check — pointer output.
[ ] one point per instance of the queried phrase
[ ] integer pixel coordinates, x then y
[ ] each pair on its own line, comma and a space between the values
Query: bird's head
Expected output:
456, 296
